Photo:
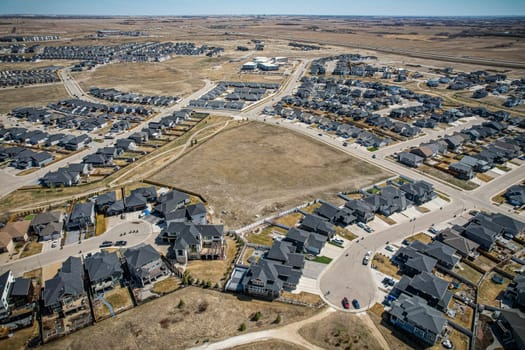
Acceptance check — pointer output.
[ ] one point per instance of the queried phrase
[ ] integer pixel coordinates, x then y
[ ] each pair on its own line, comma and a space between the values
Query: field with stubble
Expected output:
258, 169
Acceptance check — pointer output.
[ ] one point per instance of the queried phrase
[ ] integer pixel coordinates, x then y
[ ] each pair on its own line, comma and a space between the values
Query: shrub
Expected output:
242, 327
277, 319
181, 304
256, 316
203, 305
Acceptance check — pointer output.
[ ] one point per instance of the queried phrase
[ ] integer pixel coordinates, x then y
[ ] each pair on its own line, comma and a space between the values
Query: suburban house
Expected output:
484, 229
191, 242
17, 230
104, 271
48, 225
337, 216
21, 293
362, 211
391, 200
463, 246
412, 262
516, 291
104, 201
317, 224
6, 283
280, 269
511, 324
418, 192
413, 315
171, 201
410, 159
444, 254
145, 264
195, 213
65, 292
6, 243
427, 286
461, 170
305, 241
83, 215
515, 195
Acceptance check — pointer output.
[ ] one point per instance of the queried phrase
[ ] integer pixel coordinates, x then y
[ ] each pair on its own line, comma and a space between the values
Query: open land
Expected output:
261, 169
206, 314
31, 96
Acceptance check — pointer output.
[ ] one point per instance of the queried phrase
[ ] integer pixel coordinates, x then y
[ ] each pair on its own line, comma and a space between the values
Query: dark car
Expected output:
345, 303
121, 243
355, 304
106, 244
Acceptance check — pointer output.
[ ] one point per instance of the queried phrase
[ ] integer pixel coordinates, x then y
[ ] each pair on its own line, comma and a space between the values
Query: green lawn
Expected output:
322, 259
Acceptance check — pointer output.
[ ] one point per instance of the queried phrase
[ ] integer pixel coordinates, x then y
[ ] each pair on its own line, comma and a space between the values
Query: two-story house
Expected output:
145, 264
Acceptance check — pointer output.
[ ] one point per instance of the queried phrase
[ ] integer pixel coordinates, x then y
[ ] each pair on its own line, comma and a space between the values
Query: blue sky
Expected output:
239, 7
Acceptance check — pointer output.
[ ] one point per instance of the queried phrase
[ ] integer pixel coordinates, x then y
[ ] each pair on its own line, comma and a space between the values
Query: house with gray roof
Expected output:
195, 213
461, 170
362, 211
104, 271
305, 241
145, 264
427, 286
410, 159
193, 242
511, 324
418, 192
515, 195
62, 292
7, 279
317, 224
414, 316
47, 225
463, 246
516, 291
171, 201
412, 261
82, 217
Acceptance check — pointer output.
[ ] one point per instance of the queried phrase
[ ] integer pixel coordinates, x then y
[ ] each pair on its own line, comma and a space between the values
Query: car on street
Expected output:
433, 230
320, 134
366, 260
106, 244
121, 243
389, 248
388, 281
345, 303
355, 304
345, 144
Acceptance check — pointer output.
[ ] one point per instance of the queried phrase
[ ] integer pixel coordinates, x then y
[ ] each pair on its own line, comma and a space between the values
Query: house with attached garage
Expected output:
362, 211
60, 178
412, 262
418, 192
410, 159
461, 170
317, 224
7, 281
17, 230
145, 264
193, 242
444, 254
104, 271
82, 216
65, 292
47, 225
104, 201
515, 195
337, 216
305, 241
171, 201
516, 291
414, 316
194, 213
126, 145
463, 246
427, 286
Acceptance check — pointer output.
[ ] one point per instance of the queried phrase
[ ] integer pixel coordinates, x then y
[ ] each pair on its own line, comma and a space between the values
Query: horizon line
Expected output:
263, 15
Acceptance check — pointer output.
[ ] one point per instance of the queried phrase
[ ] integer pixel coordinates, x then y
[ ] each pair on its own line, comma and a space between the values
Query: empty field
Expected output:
258, 169
31, 96
161, 324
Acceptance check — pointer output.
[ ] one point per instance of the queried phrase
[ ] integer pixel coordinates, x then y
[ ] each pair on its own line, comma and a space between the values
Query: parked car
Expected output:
447, 344
345, 144
433, 230
106, 244
366, 259
355, 304
345, 303
121, 243
389, 248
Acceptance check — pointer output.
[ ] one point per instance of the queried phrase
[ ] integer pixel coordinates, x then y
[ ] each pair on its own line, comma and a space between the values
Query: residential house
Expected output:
6, 243
418, 192
7, 279
126, 144
104, 271
478, 165
145, 264
411, 261
410, 159
21, 293
83, 216
391, 200
515, 195
17, 230
171, 201
362, 211
516, 291
317, 224
427, 286
195, 213
461, 170
62, 292
190, 241
511, 325
463, 246
47, 225
413, 315
104, 201
305, 241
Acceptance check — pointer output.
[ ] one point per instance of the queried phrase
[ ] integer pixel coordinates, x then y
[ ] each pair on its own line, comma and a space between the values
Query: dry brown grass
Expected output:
340, 330
484, 177
485, 263
311, 208
31, 248
100, 224
20, 338
384, 264
387, 219
421, 236
119, 299
468, 272
264, 236
377, 309
213, 270
165, 286
161, 324
289, 169
31, 96
303, 297
269, 345
345, 233
462, 318
489, 291
247, 254
289, 220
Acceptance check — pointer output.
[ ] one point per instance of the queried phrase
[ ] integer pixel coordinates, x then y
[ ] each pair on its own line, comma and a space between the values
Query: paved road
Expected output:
145, 230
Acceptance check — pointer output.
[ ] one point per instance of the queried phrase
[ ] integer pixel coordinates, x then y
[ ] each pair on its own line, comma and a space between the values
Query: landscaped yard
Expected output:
489, 291
345, 233
386, 219
383, 264
247, 254
166, 286
466, 185
213, 270
302, 297
468, 272
31, 248
119, 299
421, 236
322, 259
311, 208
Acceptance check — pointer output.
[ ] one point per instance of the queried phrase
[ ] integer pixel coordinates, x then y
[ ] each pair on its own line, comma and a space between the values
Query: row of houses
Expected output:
24, 158
37, 137
115, 95
26, 77
26, 38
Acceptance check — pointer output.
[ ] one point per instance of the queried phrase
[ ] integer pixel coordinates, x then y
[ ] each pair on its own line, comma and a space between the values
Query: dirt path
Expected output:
289, 333
379, 337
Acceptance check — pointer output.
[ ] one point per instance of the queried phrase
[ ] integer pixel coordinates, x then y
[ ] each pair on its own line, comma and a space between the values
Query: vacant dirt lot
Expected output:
261, 169
269, 345
30, 96
340, 331
162, 324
